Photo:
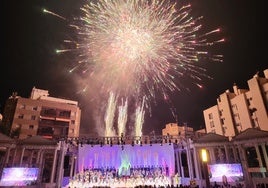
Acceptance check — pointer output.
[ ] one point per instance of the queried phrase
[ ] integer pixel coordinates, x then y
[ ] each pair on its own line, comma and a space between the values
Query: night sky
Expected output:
30, 38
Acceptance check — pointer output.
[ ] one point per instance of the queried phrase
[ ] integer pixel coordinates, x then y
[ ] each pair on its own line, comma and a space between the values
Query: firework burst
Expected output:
139, 47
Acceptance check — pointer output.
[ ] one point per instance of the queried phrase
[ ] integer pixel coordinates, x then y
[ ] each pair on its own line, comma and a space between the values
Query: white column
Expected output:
75, 164
41, 165
221, 155
178, 162
196, 163
227, 153
52, 176
14, 156
189, 160
211, 155
7, 156
72, 166
38, 157
234, 149
31, 159
259, 158
245, 166
22, 154
181, 167
264, 154
61, 169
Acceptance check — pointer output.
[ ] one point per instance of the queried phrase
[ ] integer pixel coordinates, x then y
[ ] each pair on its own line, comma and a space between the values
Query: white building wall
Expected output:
258, 100
240, 110
242, 118
212, 120
224, 106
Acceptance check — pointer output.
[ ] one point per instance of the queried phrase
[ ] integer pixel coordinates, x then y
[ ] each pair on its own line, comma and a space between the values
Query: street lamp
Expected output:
204, 157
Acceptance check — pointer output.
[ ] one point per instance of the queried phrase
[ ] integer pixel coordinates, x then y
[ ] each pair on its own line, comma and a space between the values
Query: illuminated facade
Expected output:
179, 148
249, 149
61, 161
241, 109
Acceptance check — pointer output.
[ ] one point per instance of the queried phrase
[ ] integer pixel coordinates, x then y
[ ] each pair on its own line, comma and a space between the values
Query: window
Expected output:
31, 127
222, 121
224, 130
33, 117
252, 111
238, 124
65, 113
20, 116
35, 108
234, 107
212, 124
210, 116
51, 112
248, 101
48, 131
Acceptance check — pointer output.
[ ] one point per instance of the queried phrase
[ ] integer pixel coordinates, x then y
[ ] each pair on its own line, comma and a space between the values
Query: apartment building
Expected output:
41, 115
241, 109
173, 129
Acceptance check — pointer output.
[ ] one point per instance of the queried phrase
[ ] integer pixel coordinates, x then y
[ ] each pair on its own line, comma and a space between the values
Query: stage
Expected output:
125, 166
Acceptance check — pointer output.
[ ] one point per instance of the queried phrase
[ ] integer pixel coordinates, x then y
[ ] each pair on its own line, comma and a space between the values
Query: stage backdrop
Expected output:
126, 156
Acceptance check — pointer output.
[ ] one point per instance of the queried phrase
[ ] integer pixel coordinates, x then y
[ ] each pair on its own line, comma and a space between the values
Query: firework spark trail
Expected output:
109, 116
54, 14
139, 119
140, 49
122, 117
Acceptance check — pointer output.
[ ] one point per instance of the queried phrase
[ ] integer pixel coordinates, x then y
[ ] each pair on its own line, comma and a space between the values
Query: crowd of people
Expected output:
153, 176
133, 177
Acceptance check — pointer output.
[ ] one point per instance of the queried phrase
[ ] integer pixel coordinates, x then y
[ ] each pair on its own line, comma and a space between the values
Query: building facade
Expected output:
57, 160
174, 129
248, 149
41, 115
241, 109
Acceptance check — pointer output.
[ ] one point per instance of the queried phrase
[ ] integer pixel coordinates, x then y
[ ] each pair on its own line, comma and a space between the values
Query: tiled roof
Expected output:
5, 138
38, 140
251, 133
212, 137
